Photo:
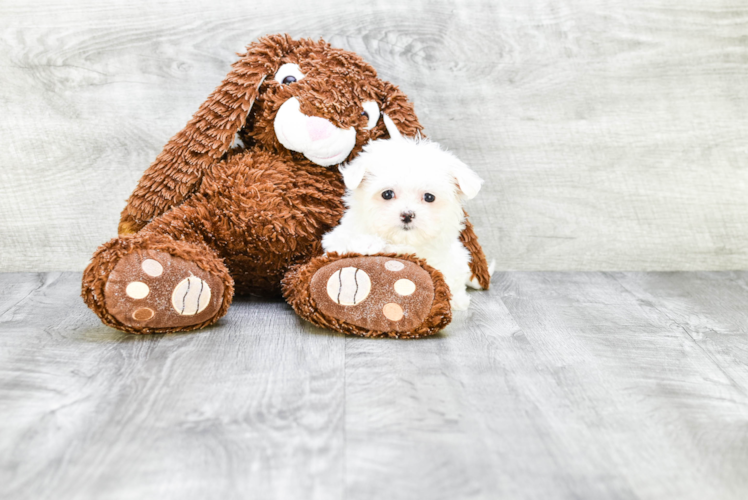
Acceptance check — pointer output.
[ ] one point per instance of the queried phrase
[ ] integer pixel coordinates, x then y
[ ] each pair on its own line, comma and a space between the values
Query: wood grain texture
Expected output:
254, 404
554, 385
611, 136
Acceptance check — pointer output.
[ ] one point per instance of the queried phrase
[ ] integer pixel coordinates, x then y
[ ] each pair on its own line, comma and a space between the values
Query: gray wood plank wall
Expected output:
612, 135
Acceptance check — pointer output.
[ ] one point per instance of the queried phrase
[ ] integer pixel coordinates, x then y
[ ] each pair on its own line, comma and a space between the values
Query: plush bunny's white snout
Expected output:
316, 138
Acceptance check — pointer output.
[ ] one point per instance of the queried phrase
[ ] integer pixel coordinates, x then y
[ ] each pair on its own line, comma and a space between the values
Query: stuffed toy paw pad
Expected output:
371, 295
154, 290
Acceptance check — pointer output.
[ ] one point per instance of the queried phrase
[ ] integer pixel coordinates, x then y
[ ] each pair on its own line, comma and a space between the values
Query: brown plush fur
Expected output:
250, 214
478, 264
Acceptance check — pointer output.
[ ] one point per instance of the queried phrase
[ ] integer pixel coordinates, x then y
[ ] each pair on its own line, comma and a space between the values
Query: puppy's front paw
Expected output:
460, 301
399, 249
370, 245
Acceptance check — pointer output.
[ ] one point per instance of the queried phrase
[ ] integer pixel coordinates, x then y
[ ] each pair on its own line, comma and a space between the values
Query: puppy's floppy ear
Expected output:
396, 106
178, 170
353, 173
467, 180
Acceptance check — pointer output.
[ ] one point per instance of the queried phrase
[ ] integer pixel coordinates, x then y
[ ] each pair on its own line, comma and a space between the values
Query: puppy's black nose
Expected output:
406, 217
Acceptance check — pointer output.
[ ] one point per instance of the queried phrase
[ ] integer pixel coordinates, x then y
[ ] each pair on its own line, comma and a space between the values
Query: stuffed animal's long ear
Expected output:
353, 173
178, 170
467, 180
396, 106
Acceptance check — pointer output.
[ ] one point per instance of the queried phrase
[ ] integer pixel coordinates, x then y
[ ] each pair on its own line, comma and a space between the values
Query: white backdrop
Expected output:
612, 135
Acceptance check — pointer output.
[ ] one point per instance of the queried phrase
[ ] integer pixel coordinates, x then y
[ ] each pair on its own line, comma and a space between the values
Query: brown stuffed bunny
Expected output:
240, 199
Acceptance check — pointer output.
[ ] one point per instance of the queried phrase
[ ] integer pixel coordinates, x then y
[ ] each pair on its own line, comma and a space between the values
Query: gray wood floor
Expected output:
554, 385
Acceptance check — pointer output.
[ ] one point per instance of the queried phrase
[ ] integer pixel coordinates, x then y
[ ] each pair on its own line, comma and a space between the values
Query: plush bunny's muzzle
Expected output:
316, 138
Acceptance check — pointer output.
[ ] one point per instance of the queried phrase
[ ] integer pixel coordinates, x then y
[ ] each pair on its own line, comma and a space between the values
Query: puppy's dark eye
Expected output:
289, 79
429, 198
388, 195
364, 113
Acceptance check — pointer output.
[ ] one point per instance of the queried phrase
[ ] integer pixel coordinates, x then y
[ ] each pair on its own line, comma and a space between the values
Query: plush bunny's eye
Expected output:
371, 112
288, 73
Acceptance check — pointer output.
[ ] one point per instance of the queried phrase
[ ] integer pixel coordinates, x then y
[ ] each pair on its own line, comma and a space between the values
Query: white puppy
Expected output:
405, 196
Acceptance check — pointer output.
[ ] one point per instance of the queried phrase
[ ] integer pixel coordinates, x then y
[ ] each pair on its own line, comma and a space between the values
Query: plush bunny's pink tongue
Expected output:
319, 128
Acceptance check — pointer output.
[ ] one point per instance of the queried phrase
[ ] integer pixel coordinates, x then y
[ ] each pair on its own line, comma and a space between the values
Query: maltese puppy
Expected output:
405, 196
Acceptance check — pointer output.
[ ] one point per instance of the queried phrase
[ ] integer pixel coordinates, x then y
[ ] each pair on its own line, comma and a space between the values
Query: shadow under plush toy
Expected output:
209, 218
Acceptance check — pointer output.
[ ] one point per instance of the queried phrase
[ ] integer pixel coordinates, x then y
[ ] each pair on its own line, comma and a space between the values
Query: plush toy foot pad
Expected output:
153, 289
382, 294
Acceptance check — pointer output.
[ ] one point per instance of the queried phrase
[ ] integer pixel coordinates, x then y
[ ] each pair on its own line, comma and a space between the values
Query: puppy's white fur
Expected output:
410, 169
